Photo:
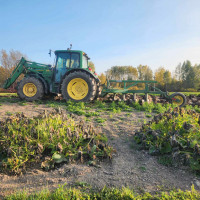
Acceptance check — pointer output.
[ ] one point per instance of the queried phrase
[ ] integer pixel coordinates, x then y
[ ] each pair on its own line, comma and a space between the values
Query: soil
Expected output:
129, 166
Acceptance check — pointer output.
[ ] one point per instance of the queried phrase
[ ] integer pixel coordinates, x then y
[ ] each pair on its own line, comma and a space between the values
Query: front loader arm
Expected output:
19, 69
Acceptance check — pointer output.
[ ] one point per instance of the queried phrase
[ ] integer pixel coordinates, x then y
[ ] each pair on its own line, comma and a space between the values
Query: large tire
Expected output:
98, 93
179, 99
79, 86
30, 89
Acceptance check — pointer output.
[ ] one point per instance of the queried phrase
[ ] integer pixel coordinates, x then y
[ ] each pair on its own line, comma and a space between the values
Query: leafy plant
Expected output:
9, 113
100, 120
175, 132
48, 139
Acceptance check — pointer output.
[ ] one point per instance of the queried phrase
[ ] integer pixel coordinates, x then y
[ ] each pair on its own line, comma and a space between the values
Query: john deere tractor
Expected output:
70, 77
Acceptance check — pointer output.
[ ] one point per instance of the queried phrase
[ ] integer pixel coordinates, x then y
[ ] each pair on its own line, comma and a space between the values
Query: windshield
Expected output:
85, 62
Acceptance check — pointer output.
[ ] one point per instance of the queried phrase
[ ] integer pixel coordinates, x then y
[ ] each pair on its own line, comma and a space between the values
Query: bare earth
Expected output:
129, 166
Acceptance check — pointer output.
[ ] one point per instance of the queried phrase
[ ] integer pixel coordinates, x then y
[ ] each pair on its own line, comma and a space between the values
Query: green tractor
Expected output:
73, 79
70, 77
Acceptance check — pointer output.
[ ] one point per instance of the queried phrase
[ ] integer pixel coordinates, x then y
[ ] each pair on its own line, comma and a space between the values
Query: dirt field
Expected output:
129, 166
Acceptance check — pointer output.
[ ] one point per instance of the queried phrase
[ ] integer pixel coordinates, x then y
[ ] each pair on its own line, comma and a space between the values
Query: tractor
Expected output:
71, 77
74, 80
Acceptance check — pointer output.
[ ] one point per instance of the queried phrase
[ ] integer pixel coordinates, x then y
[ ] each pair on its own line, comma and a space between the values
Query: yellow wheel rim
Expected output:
77, 88
177, 100
30, 89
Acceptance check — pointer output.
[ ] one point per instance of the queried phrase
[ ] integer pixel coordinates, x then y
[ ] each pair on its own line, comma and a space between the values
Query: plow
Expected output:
73, 79
149, 91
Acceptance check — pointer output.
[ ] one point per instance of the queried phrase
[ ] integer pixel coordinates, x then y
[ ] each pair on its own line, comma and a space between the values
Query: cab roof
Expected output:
72, 51
67, 51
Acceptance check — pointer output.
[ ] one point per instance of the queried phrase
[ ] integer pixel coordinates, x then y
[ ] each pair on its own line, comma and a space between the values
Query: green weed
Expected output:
165, 160
176, 133
100, 104
48, 139
22, 103
143, 169
90, 114
100, 120
9, 113
148, 115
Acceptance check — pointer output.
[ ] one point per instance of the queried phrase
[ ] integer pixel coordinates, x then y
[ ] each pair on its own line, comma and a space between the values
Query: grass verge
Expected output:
104, 194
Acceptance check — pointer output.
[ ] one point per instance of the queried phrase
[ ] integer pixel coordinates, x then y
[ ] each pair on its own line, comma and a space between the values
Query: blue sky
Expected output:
112, 32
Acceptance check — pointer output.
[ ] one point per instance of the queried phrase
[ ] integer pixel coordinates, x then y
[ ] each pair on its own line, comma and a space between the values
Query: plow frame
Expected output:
108, 89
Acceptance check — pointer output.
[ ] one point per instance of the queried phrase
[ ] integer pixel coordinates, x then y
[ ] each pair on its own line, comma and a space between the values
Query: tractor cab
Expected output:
67, 60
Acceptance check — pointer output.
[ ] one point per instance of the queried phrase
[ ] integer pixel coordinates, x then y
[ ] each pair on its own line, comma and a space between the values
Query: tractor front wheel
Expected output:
30, 89
179, 99
78, 86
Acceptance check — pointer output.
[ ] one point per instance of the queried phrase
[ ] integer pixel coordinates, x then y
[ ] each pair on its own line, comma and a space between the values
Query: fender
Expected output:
83, 70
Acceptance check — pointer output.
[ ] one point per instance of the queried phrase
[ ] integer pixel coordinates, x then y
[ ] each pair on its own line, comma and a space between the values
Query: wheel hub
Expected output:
30, 89
178, 100
77, 88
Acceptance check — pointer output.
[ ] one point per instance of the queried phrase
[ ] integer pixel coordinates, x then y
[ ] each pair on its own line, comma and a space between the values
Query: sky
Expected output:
112, 32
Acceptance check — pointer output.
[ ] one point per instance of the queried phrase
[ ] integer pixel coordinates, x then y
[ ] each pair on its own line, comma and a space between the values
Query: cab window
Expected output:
85, 62
63, 60
75, 60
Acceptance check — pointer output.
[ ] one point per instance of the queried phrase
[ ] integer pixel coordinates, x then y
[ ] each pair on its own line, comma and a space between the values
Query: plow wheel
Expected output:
179, 99
30, 89
79, 86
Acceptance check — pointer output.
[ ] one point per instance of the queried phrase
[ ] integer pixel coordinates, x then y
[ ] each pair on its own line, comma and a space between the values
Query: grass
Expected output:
105, 194
100, 120
8, 94
48, 140
143, 169
10, 99
148, 115
23, 103
9, 113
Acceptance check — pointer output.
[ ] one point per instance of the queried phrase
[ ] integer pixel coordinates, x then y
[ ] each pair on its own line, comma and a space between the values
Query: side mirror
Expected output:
50, 52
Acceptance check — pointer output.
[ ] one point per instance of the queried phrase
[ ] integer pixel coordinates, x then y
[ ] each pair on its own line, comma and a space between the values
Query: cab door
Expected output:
66, 61
62, 66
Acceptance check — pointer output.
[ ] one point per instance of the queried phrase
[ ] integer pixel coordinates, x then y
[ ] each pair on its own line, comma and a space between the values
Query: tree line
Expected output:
186, 76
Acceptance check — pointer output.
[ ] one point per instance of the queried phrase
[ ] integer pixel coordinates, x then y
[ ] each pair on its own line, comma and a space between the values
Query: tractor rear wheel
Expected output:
179, 99
78, 86
30, 89
98, 93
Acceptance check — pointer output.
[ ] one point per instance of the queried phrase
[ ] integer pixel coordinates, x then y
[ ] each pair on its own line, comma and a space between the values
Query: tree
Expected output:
122, 73
91, 65
188, 75
3, 74
145, 73
159, 76
167, 77
8, 62
178, 72
102, 78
